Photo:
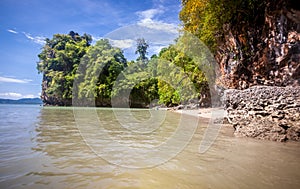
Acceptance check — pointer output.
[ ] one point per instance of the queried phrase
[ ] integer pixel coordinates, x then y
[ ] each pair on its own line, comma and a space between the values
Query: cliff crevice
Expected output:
264, 50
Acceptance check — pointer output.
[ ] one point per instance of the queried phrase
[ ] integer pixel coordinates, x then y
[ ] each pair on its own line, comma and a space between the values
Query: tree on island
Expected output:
98, 71
101, 72
141, 49
58, 63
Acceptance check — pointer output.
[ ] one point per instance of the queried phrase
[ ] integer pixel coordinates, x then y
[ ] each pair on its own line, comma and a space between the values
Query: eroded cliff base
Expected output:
265, 112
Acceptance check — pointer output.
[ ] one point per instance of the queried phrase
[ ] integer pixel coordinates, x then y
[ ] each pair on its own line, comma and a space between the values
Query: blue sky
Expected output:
24, 24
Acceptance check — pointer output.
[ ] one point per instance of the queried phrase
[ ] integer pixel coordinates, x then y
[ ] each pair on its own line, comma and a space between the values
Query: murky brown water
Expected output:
43, 148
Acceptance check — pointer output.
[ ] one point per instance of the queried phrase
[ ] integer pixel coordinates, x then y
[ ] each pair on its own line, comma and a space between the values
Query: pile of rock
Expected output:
265, 112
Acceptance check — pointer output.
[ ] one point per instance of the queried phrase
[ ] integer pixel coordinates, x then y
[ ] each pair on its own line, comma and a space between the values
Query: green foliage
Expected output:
141, 49
101, 72
184, 72
58, 62
172, 76
206, 18
139, 83
167, 94
99, 69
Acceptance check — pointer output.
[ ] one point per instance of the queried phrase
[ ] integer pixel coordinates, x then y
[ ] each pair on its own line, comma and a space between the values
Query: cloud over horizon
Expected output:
13, 95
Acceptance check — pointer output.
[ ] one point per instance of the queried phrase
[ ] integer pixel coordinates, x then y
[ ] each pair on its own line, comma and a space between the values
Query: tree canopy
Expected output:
174, 62
58, 62
98, 71
141, 49
206, 18
102, 73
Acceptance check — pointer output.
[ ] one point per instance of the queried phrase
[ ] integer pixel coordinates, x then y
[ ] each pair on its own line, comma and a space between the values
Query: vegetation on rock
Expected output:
59, 60
254, 42
102, 72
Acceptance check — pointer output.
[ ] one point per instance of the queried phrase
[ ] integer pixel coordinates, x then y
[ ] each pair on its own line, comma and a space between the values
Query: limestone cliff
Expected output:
263, 51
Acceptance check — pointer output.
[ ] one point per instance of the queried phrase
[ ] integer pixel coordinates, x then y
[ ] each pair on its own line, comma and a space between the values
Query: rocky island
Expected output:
256, 45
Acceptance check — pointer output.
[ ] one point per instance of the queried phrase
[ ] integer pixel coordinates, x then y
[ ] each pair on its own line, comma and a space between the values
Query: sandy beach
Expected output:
216, 113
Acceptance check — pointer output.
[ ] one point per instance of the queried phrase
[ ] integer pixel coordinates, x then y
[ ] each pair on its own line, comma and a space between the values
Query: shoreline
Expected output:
217, 113
217, 116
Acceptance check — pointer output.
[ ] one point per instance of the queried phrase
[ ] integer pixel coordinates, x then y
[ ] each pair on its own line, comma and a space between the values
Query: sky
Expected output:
24, 25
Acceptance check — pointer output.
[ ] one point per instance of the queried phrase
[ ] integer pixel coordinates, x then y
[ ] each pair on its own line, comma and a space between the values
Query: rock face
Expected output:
52, 100
264, 112
259, 60
264, 50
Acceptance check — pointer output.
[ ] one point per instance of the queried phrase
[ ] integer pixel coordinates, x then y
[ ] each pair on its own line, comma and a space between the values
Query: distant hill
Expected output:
21, 101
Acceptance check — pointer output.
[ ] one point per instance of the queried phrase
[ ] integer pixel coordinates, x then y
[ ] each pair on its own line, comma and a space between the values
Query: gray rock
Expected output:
264, 112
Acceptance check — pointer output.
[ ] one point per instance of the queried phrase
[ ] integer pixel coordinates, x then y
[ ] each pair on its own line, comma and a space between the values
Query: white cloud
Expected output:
119, 43
122, 43
10, 95
13, 95
96, 38
12, 31
37, 39
13, 80
158, 25
150, 13
29, 96
156, 48
146, 20
157, 32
